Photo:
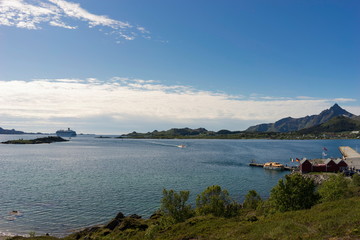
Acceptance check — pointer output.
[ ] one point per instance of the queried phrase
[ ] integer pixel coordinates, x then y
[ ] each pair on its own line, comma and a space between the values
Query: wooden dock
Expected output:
286, 168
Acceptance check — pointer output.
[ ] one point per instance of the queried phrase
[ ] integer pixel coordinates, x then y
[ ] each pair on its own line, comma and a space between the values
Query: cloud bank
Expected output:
33, 14
140, 105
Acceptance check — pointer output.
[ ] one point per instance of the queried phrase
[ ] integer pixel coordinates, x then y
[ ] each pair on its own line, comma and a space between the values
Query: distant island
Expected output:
12, 131
49, 139
333, 123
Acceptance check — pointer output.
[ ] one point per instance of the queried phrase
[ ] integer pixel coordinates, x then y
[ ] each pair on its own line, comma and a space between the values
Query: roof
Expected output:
328, 160
304, 160
337, 161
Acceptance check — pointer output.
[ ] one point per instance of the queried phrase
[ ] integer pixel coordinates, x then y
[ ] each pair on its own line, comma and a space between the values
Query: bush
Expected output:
356, 179
252, 200
336, 187
295, 193
216, 202
174, 205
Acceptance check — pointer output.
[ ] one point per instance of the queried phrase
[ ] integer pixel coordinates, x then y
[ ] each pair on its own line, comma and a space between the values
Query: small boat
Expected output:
181, 146
273, 166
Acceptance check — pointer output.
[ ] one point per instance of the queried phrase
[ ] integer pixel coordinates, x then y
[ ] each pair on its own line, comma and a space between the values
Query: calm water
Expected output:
62, 187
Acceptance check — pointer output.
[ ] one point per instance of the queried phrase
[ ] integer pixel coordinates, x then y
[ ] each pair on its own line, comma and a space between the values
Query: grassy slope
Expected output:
336, 124
332, 220
335, 219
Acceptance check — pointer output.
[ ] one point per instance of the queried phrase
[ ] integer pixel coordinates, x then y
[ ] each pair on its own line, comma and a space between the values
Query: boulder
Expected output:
116, 221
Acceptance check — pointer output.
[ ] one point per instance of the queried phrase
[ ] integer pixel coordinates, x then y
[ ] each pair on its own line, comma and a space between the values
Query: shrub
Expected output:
336, 187
252, 200
174, 205
293, 193
356, 179
217, 202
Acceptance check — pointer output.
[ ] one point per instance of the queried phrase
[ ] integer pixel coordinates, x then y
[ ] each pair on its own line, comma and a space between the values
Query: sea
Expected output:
63, 187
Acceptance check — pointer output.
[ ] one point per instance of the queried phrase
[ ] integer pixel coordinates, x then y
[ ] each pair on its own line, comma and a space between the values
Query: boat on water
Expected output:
273, 166
66, 133
181, 146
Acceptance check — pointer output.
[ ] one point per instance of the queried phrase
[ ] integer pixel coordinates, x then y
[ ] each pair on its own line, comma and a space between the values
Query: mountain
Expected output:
290, 124
12, 131
336, 124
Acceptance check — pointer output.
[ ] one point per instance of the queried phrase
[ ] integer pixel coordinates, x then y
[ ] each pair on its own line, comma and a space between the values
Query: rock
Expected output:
135, 216
156, 216
120, 215
116, 221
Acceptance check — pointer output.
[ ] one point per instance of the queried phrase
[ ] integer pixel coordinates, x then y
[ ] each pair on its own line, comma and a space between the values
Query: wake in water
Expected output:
169, 145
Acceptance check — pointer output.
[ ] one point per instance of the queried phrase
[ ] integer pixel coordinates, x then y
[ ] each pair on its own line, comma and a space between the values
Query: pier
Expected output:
286, 168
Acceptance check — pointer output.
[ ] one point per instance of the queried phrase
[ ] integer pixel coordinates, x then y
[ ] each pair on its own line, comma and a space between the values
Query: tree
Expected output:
174, 205
293, 193
252, 200
336, 187
217, 202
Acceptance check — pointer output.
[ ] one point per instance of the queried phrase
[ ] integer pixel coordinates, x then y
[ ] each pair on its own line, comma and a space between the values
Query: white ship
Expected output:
66, 133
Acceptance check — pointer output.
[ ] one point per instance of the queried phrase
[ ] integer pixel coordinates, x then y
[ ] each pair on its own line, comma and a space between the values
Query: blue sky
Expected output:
118, 66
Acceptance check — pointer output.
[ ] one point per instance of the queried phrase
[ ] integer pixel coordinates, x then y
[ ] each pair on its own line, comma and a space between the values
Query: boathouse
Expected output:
305, 166
322, 165
331, 166
341, 164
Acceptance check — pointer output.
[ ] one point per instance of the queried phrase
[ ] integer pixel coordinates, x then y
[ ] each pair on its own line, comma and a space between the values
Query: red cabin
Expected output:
305, 166
331, 166
319, 168
341, 164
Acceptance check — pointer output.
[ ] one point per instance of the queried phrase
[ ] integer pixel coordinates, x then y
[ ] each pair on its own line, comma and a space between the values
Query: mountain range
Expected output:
334, 119
290, 124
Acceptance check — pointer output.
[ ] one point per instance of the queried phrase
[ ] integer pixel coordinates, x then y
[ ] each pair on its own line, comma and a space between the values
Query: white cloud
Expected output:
344, 100
124, 99
32, 14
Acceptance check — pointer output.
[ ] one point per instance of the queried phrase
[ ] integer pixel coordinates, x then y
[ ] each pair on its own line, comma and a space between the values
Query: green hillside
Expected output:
336, 124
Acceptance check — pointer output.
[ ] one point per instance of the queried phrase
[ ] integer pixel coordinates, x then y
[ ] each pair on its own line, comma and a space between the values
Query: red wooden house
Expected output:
305, 166
319, 165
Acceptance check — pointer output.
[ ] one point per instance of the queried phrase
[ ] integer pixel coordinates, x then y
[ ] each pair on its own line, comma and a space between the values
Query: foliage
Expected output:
252, 200
174, 205
295, 193
356, 180
217, 202
336, 187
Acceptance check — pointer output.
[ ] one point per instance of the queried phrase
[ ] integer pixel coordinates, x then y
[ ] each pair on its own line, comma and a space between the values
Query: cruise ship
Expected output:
66, 133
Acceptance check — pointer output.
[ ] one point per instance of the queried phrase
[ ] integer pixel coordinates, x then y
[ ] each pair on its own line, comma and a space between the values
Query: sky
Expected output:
117, 66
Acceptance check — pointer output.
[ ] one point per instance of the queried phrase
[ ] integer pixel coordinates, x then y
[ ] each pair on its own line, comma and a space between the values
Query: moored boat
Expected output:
274, 166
